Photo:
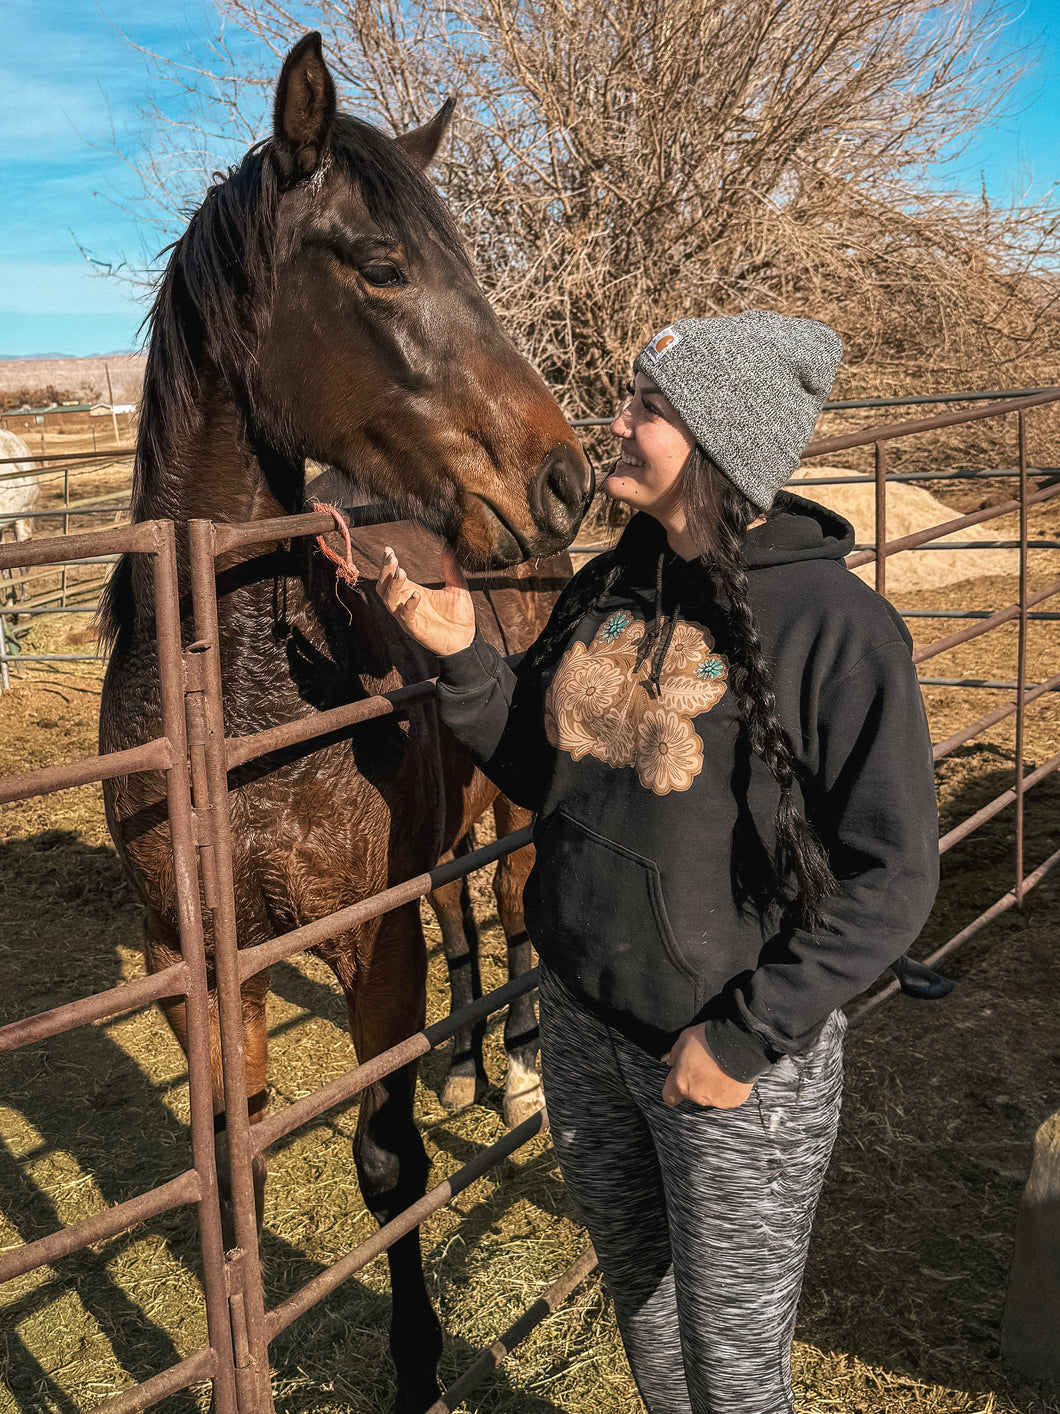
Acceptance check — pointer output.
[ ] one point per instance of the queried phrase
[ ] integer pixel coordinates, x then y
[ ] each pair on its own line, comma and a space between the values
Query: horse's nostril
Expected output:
560, 491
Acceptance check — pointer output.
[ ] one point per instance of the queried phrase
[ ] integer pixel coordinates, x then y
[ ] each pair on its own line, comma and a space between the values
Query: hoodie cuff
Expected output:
470, 670
741, 1054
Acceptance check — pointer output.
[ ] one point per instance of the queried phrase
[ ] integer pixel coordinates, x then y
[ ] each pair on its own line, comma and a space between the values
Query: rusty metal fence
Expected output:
196, 758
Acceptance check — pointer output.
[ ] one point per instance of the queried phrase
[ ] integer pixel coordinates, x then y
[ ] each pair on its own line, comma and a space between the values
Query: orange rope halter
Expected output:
345, 567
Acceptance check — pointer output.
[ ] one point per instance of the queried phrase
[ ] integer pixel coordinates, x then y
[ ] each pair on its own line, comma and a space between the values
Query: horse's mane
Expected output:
218, 283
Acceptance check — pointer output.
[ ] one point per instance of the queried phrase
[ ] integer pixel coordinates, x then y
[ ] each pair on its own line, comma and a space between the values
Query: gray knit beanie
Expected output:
749, 388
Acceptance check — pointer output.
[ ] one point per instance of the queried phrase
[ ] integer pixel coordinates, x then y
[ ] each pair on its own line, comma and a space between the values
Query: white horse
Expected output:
18, 495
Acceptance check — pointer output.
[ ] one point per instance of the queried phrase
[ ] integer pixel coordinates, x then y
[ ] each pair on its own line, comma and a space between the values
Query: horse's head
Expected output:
373, 347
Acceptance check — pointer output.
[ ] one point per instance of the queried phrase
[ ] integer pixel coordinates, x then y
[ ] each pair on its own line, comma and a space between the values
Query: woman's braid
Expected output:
591, 584
798, 853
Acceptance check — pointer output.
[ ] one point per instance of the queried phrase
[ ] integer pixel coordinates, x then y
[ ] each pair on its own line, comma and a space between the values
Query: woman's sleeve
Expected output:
495, 707
874, 808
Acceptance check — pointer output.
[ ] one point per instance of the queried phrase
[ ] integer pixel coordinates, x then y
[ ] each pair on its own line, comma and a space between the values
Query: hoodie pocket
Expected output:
596, 912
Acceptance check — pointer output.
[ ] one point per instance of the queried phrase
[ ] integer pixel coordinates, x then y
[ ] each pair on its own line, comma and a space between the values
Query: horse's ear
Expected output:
421, 145
304, 108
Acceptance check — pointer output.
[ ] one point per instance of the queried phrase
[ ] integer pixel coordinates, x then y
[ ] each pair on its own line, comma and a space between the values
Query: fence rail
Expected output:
196, 756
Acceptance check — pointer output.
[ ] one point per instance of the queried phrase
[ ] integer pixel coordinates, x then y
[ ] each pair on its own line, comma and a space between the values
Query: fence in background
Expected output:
196, 757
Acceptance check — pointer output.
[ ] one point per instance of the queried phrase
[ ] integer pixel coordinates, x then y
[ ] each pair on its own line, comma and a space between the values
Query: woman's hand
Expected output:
443, 620
695, 1075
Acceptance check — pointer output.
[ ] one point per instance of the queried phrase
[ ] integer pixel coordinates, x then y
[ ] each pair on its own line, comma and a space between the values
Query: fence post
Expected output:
1021, 658
66, 529
881, 518
5, 680
243, 1265
174, 684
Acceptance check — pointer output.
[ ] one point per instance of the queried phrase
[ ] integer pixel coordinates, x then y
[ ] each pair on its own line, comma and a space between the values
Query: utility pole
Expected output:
113, 414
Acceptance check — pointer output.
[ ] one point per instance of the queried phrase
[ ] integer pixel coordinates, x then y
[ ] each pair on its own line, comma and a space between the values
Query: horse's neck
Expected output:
209, 469
205, 466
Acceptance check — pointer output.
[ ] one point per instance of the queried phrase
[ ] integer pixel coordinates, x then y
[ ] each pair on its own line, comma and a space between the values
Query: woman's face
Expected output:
654, 446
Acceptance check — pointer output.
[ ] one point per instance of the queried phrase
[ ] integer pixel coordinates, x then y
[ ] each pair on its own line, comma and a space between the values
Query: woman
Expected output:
723, 737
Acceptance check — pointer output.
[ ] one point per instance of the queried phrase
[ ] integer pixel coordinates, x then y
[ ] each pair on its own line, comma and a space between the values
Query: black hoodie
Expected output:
650, 896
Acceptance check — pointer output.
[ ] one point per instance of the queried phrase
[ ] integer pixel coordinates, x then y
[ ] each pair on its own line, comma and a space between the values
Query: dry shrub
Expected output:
618, 166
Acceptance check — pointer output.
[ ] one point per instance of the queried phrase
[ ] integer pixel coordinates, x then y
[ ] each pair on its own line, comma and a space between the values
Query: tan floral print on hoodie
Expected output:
601, 704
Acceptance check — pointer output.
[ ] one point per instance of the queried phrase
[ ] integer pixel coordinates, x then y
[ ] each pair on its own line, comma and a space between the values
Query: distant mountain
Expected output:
50, 357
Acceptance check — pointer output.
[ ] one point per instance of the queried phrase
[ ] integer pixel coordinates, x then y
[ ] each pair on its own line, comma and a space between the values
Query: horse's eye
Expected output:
384, 275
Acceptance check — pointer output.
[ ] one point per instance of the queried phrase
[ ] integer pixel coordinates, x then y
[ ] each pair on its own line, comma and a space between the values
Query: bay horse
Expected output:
320, 305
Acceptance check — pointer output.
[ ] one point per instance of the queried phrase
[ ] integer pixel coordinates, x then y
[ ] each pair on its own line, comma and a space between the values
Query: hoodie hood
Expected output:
797, 530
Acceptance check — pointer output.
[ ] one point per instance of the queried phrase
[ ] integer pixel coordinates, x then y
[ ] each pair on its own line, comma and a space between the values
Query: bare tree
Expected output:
616, 166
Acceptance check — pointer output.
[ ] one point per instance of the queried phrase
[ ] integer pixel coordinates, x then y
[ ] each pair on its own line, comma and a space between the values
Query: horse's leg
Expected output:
385, 995
523, 1095
467, 1080
161, 950
23, 532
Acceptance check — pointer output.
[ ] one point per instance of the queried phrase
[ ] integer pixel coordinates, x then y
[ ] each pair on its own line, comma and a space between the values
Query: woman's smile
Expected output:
654, 445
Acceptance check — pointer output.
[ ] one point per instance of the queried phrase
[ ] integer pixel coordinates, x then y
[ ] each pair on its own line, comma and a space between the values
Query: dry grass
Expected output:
906, 1279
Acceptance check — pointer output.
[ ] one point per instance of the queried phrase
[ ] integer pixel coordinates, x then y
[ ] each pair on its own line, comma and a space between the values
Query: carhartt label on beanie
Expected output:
749, 387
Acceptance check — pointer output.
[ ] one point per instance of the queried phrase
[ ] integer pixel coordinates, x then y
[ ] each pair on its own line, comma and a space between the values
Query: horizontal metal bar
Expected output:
1004, 903
15, 658
995, 910
194, 1370
307, 1296
866, 553
254, 959
981, 545
889, 431
993, 718
231, 537
986, 625
113, 1002
848, 403
489, 1360
937, 398
989, 684
868, 479
910, 542
15, 611
46, 1250
240, 749
71, 509
999, 803
276, 1126
82, 586
108, 454
234, 536
965, 614
156, 755
89, 547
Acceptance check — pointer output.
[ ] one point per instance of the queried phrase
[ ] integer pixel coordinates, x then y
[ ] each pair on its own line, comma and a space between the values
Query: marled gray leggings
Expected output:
700, 1217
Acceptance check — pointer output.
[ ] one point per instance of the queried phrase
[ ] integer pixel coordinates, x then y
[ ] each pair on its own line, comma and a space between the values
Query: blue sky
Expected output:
71, 87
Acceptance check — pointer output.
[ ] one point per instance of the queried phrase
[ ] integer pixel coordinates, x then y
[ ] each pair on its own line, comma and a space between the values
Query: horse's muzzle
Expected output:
558, 497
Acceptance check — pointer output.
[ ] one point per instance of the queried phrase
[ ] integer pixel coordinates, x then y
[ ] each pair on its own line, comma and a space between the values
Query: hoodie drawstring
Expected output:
658, 635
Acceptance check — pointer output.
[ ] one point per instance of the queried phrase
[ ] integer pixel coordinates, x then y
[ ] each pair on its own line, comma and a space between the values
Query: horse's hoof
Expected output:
917, 980
417, 1401
523, 1095
460, 1091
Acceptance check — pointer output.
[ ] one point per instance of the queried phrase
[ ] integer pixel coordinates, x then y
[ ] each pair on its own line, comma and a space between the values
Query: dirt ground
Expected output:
907, 1274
